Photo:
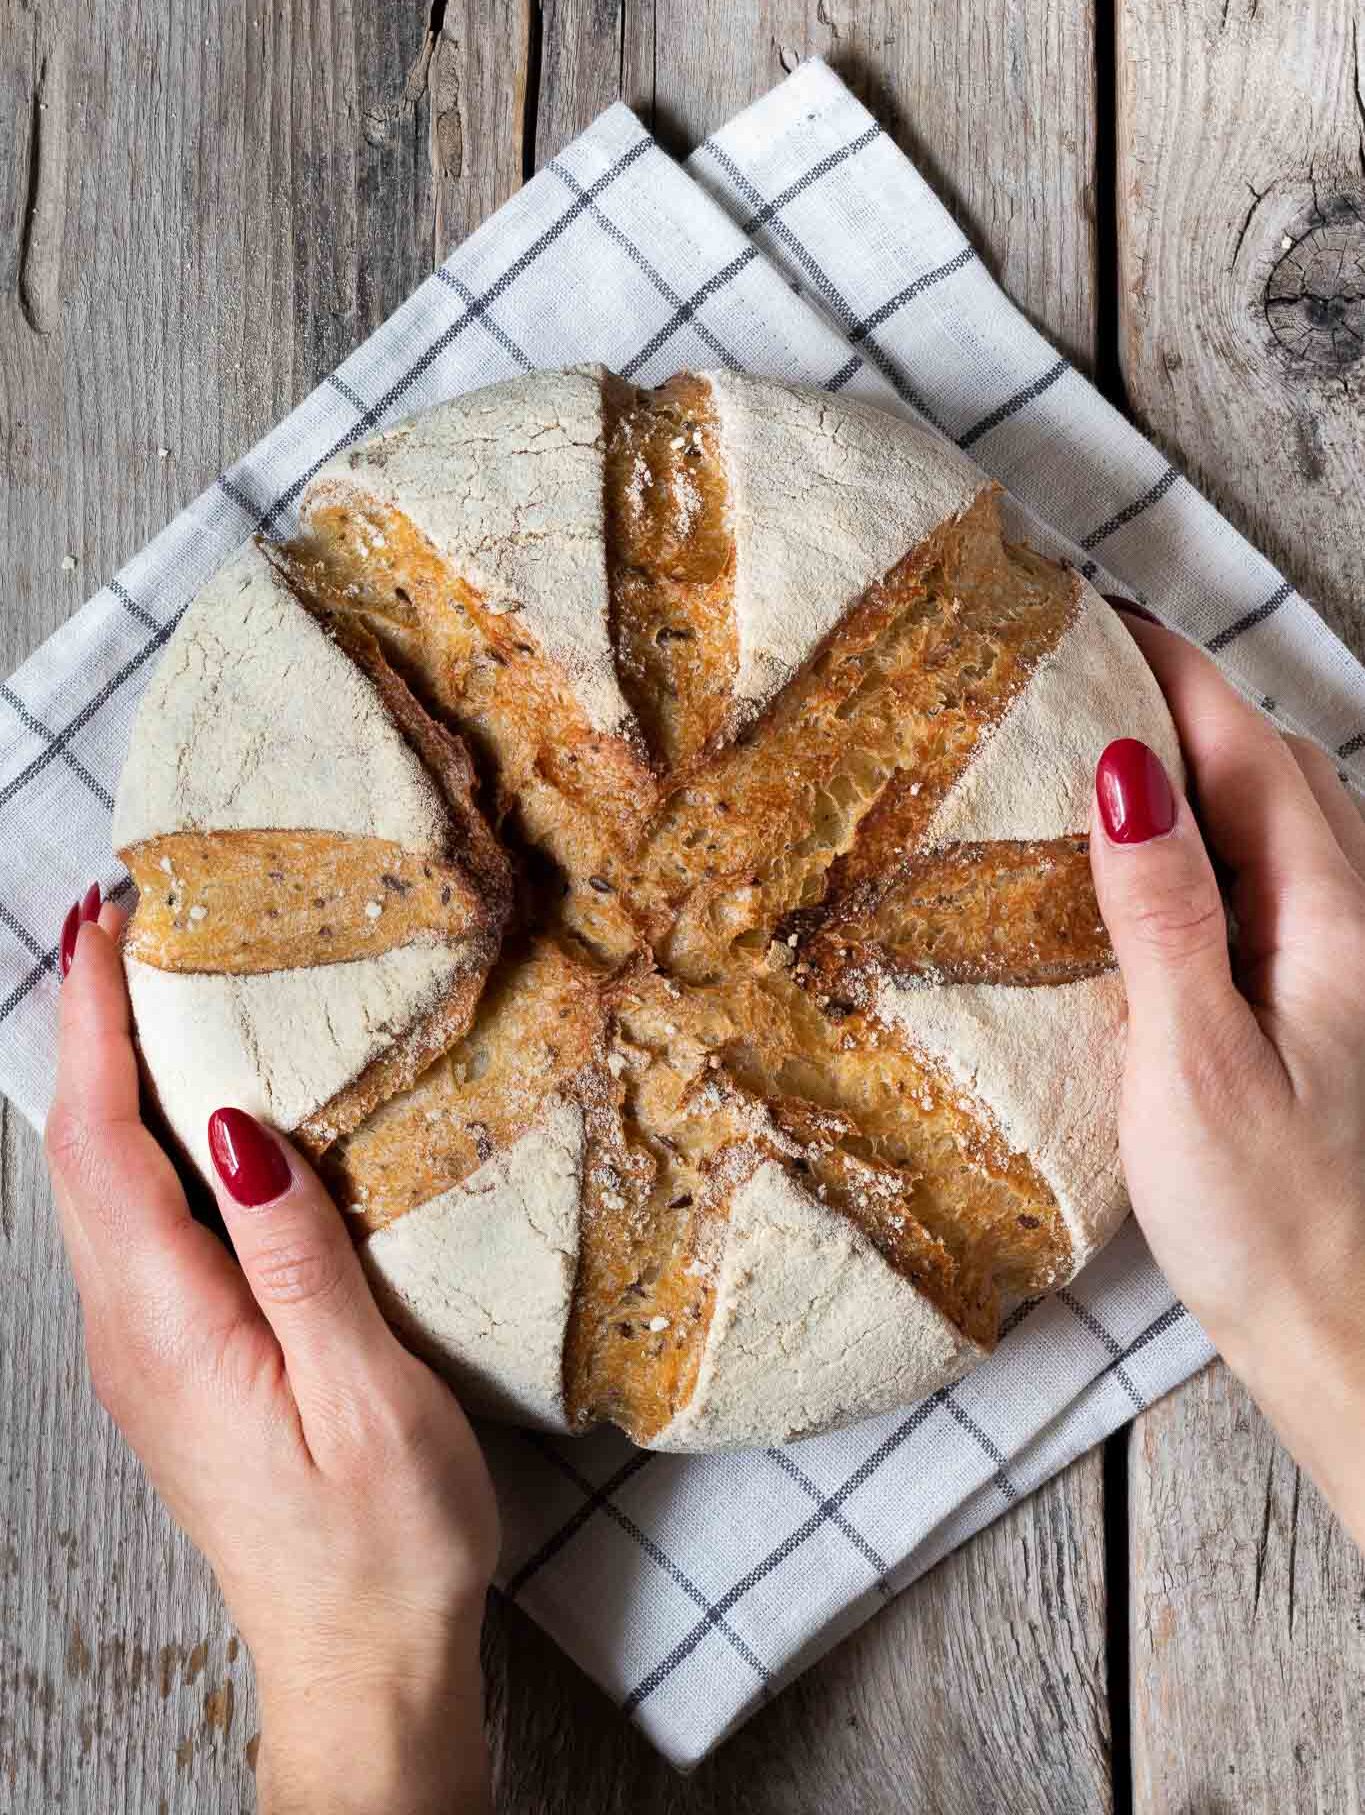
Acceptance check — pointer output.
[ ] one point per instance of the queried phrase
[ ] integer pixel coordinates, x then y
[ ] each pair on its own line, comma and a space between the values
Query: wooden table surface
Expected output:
204, 205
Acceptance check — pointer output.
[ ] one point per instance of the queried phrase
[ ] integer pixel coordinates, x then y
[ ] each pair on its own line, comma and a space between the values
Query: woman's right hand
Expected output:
1242, 1123
327, 1474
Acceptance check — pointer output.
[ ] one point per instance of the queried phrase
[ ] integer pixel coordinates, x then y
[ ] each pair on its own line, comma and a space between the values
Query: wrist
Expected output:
402, 1735
1303, 1361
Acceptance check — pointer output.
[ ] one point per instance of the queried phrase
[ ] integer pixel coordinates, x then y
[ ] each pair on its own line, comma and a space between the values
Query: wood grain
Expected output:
1241, 152
1248, 1644
232, 198
593, 52
122, 1685
229, 234
477, 113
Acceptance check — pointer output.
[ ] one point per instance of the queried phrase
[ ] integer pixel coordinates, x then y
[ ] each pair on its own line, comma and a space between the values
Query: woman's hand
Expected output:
1242, 1125
329, 1477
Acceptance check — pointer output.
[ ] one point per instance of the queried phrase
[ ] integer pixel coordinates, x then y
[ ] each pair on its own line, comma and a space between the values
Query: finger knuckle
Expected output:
294, 1270
1335, 909
249, 1369
1180, 919
67, 1142
1352, 911
156, 1335
1327, 927
390, 1425
1341, 970
404, 1422
343, 1434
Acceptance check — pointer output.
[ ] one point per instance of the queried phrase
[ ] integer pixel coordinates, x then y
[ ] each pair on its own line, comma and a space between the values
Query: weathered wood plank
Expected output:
995, 104
1241, 137
229, 234
122, 1685
1248, 1651
593, 52
1242, 269
231, 199
478, 112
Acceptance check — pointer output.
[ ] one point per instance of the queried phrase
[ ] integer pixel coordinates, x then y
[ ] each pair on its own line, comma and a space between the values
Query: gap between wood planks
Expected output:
1108, 370
535, 46
1108, 378
437, 74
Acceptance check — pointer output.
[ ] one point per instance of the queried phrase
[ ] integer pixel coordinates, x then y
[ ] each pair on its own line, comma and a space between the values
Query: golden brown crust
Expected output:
869, 1098
673, 1145
572, 799
539, 1022
1016, 912
239, 903
883, 720
671, 565
649, 1231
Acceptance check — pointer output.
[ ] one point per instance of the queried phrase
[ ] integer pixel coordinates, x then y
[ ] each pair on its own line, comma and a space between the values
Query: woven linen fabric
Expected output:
799, 243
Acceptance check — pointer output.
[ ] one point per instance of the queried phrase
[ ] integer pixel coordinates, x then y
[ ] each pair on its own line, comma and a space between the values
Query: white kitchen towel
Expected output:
799, 243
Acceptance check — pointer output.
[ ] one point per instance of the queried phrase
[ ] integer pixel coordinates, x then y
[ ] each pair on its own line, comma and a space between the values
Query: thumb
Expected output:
299, 1262
1159, 898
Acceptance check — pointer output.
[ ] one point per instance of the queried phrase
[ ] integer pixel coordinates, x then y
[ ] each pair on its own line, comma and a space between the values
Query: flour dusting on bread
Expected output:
637, 840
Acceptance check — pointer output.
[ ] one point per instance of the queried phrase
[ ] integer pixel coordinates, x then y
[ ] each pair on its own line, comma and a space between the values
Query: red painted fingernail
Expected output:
86, 909
1133, 609
250, 1163
70, 927
1136, 802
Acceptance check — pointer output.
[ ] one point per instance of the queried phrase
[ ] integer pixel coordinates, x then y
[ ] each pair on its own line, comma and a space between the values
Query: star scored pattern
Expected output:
705, 912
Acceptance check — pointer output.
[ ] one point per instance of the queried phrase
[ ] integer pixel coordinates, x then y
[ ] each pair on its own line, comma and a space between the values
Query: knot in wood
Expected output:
1315, 295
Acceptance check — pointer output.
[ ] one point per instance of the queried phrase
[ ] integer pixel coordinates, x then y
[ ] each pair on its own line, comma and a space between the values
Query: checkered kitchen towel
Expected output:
798, 243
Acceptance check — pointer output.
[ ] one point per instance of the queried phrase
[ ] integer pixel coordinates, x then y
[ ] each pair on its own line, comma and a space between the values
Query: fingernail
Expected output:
78, 914
1135, 798
1133, 609
250, 1163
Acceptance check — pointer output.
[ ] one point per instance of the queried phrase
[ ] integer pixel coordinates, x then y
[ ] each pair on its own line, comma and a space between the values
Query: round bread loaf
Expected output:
636, 842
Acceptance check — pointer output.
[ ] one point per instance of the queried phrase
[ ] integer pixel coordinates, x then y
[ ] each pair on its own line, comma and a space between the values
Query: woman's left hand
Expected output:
330, 1478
